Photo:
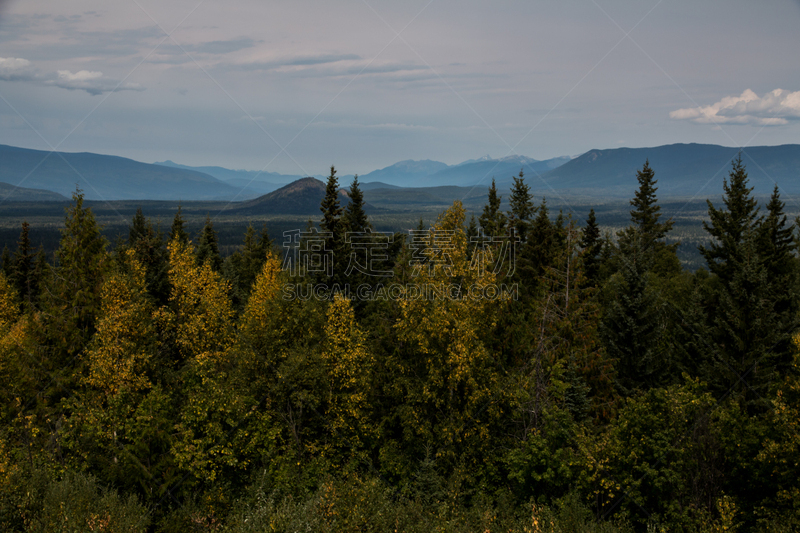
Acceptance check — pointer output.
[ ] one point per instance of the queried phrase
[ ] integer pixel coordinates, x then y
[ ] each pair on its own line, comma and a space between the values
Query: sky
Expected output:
297, 86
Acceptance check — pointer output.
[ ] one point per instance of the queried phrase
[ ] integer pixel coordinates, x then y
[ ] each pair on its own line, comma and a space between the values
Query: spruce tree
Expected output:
632, 326
728, 226
71, 298
208, 247
646, 210
591, 244
493, 221
27, 271
332, 224
355, 218
150, 250
522, 209
178, 231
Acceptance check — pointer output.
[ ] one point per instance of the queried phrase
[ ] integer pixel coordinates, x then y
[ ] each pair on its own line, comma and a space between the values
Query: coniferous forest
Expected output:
154, 385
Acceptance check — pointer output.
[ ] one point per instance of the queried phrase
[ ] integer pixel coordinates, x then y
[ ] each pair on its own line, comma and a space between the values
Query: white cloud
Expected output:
93, 82
775, 108
16, 69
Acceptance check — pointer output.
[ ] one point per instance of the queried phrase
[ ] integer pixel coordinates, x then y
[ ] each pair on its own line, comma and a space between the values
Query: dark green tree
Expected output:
71, 298
243, 266
332, 224
591, 244
493, 221
522, 208
27, 270
355, 218
178, 231
729, 225
150, 249
208, 247
633, 326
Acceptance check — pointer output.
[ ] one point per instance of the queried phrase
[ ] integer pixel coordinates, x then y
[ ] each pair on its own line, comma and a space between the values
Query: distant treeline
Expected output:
558, 378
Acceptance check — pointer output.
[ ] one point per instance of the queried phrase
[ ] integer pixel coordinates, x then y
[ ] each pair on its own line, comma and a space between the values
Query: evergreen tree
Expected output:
177, 231
71, 299
208, 247
472, 235
776, 240
493, 221
355, 218
332, 223
27, 269
150, 250
646, 210
243, 266
8, 265
729, 225
591, 244
522, 209
632, 327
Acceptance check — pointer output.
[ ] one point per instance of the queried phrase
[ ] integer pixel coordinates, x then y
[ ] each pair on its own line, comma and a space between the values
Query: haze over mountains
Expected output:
682, 170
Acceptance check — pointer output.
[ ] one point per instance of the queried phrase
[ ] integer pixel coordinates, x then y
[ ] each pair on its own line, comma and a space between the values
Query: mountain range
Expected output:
682, 170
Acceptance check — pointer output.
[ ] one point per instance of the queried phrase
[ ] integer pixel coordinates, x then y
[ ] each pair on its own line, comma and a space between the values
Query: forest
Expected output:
155, 385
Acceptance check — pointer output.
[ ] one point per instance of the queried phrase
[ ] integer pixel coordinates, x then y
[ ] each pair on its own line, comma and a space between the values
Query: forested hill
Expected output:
681, 169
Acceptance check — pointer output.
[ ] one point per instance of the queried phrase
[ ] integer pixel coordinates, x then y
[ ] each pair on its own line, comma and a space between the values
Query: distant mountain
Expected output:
11, 193
302, 197
371, 186
105, 177
271, 179
482, 170
681, 170
404, 173
429, 173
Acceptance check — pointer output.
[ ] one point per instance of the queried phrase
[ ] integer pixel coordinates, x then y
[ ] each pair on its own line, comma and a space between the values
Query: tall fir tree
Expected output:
591, 245
355, 219
178, 230
521, 208
208, 247
492, 220
729, 225
333, 225
150, 250
27, 269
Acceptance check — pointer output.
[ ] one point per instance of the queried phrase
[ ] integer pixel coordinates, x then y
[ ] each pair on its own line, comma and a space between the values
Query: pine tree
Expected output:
177, 231
632, 327
591, 244
355, 218
646, 210
243, 266
27, 272
776, 240
493, 221
208, 247
472, 235
71, 299
728, 226
522, 209
332, 223
150, 250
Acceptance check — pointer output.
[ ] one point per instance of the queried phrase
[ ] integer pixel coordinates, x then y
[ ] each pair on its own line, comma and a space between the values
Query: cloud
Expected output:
298, 61
92, 82
775, 108
16, 69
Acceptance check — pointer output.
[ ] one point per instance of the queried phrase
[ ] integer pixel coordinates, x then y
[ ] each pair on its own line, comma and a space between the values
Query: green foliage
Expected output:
208, 247
215, 401
492, 220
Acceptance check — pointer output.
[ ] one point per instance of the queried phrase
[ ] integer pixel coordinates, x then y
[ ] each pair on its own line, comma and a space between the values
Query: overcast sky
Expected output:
295, 86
